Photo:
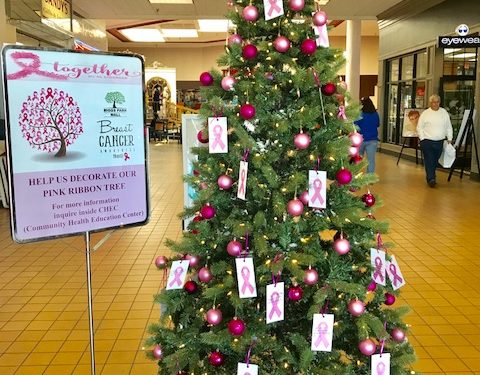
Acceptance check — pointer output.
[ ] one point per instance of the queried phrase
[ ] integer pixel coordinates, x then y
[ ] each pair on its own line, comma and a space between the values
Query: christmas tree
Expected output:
282, 268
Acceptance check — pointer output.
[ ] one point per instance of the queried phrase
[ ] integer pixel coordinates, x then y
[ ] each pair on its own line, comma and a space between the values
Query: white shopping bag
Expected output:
448, 155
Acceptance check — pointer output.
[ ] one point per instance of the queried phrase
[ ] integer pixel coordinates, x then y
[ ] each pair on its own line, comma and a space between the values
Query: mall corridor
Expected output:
43, 298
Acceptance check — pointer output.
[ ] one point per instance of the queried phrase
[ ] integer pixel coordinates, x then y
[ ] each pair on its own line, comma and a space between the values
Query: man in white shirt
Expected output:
433, 127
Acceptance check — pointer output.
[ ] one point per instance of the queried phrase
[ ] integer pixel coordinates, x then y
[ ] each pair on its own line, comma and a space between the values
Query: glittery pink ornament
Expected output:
295, 207
207, 211
302, 141
228, 82
319, 18
398, 335
214, 317
310, 277
367, 347
193, 260
205, 275
343, 176
249, 52
224, 182
356, 307
235, 39
236, 327
304, 197
157, 352
389, 299
356, 138
202, 138
341, 246
295, 293
247, 111
353, 151
368, 199
372, 286
328, 89
216, 358
296, 5
250, 13
161, 262
206, 79
234, 248
308, 47
281, 44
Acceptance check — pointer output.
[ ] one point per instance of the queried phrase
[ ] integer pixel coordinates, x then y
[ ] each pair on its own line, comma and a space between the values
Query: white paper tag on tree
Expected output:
317, 189
273, 9
377, 259
217, 135
246, 277
178, 274
244, 369
381, 364
275, 302
242, 180
322, 332
394, 273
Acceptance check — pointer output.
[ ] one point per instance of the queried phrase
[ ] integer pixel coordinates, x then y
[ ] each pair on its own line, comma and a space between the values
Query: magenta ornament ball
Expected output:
310, 277
281, 44
295, 293
367, 347
235, 39
249, 52
194, 260
234, 248
372, 286
296, 5
341, 246
205, 275
304, 197
216, 358
302, 141
295, 207
368, 199
207, 211
201, 137
343, 176
356, 139
356, 159
224, 182
356, 307
328, 89
389, 299
236, 327
308, 47
214, 317
250, 13
228, 82
206, 79
319, 18
157, 352
398, 335
247, 111
161, 262
191, 287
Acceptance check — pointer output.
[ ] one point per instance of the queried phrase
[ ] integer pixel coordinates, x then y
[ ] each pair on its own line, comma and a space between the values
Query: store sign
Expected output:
468, 41
76, 143
56, 9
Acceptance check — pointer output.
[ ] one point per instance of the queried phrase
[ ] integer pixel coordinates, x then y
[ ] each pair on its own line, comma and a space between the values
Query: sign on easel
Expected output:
75, 141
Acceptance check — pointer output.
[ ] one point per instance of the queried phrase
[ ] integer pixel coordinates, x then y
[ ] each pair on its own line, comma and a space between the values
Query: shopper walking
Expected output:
369, 124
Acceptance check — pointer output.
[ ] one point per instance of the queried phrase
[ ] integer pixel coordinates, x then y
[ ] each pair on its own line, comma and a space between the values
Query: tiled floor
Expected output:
43, 313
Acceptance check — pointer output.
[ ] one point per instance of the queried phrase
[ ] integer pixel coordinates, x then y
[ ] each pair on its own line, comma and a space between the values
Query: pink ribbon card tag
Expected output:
273, 9
377, 259
242, 180
381, 364
217, 135
177, 275
247, 369
246, 277
322, 36
322, 332
275, 302
317, 189
394, 274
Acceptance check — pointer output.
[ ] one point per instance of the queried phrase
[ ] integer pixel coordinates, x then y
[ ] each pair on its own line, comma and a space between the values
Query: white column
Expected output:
354, 40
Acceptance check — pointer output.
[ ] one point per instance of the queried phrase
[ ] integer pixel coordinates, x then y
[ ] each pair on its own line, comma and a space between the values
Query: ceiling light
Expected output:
179, 33
322, 2
143, 35
171, 1
214, 26
464, 55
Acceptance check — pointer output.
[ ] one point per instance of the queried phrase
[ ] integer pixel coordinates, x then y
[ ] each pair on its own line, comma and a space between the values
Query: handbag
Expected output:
448, 155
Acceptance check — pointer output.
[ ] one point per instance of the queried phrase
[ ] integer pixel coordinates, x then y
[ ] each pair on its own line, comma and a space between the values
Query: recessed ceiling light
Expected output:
171, 1
180, 33
214, 26
143, 35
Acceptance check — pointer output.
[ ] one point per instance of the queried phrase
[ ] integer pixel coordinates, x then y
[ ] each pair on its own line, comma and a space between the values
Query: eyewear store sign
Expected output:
461, 40
76, 141
56, 9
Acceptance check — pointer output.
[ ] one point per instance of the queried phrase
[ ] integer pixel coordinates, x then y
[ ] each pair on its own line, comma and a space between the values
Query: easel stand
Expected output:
90, 302
407, 143
469, 141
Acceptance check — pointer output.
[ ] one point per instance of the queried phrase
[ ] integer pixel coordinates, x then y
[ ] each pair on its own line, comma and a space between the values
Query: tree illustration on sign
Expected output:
50, 120
115, 97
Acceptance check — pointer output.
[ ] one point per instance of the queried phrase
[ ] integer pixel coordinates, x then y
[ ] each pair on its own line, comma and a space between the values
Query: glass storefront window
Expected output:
422, 65
407, 67
394, 67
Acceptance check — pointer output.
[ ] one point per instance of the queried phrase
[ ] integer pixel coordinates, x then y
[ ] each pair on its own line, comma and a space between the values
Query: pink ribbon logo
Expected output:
317, 187
217, 132
126, 157
176, 279
242, 182
246, 282
322, 39
30, 68
273, 7
341, 112
274, 298
322, 330
393, 270
378, 269
381, 368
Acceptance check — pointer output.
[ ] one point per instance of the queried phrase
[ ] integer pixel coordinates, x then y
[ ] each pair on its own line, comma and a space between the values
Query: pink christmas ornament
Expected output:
356, 159
367, 347
236, 327
201, 137
295, 207
207, 211
319, 18
205, 275
368, 199
310, 277
389, 299
296, 5
234, 248
398, 335
206, 79
295, 293
247, 111
203, 185
353, 151
224, 182
329, 89
356, 138
281, 44
308, 47
161, 262
250, 13
343, 176
228, 82
341, 246
356, 307
372, 286
194, 260
216, 358
214, 317
191, 287
304, 197
235, 39
249, 52
302, 141
157, 352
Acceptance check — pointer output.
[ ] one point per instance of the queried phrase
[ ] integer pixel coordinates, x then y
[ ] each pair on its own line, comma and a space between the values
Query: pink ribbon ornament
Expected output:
30, 68
273, 7
322, 38
393, 270
317, 187
177, 273
378, 269
242, 182
322, 330
245, 272
274, 298
341, 112
381, 368
126, 156
217, 132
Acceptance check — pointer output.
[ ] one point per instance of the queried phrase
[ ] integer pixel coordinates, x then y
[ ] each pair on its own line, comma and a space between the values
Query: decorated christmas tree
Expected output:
282, 269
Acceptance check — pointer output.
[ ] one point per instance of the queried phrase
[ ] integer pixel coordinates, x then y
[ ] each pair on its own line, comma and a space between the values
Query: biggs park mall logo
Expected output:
115, 98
